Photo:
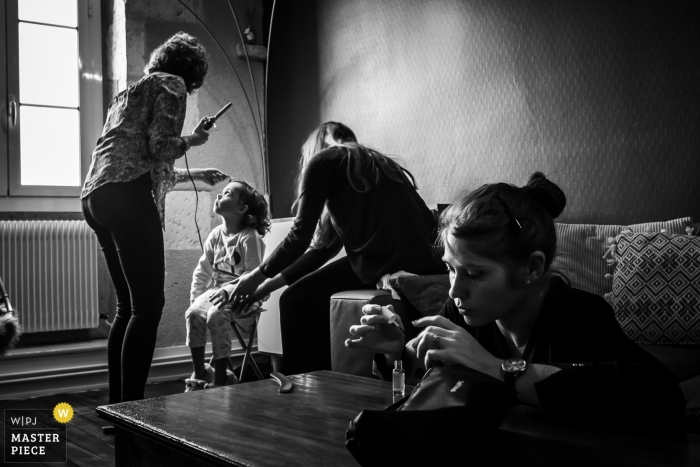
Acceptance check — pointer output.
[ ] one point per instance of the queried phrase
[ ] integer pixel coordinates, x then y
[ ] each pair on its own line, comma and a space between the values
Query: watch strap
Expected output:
509, 379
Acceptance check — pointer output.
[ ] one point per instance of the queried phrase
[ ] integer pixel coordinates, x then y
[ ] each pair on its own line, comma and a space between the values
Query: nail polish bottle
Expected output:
398, 378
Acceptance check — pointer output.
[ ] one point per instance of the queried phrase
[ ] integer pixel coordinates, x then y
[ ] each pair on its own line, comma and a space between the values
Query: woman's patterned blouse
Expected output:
142, 134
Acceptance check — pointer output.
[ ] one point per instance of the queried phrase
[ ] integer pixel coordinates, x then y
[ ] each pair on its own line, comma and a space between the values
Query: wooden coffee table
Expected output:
248, 424
252, 425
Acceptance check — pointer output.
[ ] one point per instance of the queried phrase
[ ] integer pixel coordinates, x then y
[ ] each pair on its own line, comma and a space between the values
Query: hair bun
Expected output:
546, 193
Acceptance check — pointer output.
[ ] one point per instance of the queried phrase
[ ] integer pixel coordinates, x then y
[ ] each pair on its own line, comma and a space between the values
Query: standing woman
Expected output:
373, 210
123, 200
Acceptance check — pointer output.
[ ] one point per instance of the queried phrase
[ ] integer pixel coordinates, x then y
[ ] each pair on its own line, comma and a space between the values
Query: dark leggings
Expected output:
305, 316
127, 224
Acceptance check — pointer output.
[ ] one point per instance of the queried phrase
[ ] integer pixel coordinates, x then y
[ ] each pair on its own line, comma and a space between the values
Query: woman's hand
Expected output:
247, 285
443, 341
267, 287
200, 135
209, 176
376, 334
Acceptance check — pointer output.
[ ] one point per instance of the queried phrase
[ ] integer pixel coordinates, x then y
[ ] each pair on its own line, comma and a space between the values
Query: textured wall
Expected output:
600, 95
234, 145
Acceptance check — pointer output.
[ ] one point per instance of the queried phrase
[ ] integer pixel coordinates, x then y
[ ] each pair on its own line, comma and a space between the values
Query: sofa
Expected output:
591, 257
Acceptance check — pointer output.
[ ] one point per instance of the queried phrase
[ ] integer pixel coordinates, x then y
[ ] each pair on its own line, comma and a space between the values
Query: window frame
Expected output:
5, 109
90, 105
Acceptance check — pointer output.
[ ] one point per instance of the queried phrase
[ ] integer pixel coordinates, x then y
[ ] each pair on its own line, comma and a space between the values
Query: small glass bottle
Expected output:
398, 378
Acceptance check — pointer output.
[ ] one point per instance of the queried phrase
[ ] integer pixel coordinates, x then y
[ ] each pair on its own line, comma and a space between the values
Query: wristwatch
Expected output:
512, 368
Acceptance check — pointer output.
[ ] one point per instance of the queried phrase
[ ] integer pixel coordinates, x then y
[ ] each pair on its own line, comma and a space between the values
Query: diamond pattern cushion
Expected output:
656, 288
580, 250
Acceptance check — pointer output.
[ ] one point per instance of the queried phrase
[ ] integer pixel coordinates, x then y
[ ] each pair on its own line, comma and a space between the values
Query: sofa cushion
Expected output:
683, 361
692, 411
426, 294
656, 287
580, 250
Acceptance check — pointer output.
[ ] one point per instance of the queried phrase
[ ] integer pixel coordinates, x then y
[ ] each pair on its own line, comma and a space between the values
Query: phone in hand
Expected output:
210, 122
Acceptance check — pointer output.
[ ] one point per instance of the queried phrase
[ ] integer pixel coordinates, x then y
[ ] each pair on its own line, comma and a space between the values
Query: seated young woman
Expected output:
508, 316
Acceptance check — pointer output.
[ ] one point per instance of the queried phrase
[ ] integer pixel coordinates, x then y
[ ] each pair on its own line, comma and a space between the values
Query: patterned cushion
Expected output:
580, 250
656, 287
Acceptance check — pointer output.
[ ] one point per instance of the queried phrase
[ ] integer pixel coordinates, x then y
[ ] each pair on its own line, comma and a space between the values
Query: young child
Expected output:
233, 248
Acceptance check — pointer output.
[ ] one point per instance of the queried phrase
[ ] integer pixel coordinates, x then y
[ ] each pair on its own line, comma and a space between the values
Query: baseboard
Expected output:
48, 371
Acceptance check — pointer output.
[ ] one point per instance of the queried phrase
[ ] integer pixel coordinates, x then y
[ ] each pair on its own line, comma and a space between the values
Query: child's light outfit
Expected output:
225, 258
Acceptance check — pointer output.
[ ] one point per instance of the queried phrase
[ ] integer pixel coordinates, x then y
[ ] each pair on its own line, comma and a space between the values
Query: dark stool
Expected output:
247, 348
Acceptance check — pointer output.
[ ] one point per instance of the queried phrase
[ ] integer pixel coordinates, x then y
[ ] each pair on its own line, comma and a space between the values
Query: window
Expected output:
51, 93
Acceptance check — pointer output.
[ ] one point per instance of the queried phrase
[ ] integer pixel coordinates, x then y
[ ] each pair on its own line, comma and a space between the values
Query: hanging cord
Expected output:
250, 106
196, 204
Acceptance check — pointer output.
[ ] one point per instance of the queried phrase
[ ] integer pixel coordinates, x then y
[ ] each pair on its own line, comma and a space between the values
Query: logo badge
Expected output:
63, 412
36, 435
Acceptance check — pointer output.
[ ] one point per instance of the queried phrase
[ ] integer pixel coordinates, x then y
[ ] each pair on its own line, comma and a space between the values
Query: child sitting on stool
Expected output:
233, 248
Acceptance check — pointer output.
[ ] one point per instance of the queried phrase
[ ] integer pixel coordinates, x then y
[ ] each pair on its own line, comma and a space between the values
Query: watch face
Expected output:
515, 365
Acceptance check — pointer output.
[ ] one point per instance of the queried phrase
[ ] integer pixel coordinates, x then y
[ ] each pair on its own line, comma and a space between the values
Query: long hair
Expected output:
364, 169
182, 55
507, 223
324, 136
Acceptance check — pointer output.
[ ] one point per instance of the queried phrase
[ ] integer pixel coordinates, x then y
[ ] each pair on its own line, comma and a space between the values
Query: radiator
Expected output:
50, 272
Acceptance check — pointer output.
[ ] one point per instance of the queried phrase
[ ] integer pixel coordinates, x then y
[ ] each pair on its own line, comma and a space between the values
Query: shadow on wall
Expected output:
293, 95
601, 96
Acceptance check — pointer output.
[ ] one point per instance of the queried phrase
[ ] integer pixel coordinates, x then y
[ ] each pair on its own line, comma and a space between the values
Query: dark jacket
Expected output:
604, 377
387, 229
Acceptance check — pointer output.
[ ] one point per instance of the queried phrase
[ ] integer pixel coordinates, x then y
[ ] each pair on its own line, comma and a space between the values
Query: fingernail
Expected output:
414, 322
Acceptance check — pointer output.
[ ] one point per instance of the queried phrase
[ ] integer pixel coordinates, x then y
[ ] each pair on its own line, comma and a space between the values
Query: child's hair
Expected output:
181, 55
505, 222
258, 215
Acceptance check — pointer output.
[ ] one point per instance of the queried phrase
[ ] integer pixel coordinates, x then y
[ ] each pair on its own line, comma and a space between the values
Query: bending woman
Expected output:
507, 316
373, 210
123, 200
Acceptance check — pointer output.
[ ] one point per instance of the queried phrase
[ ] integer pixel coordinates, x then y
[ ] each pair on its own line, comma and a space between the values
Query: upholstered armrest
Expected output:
420, 296
346, 310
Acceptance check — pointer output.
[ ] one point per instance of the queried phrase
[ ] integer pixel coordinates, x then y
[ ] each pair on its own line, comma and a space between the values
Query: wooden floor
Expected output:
87, 445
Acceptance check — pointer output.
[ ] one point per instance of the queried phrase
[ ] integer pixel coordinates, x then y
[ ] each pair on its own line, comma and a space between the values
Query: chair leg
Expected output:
229, 363
256, 369
247, 348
